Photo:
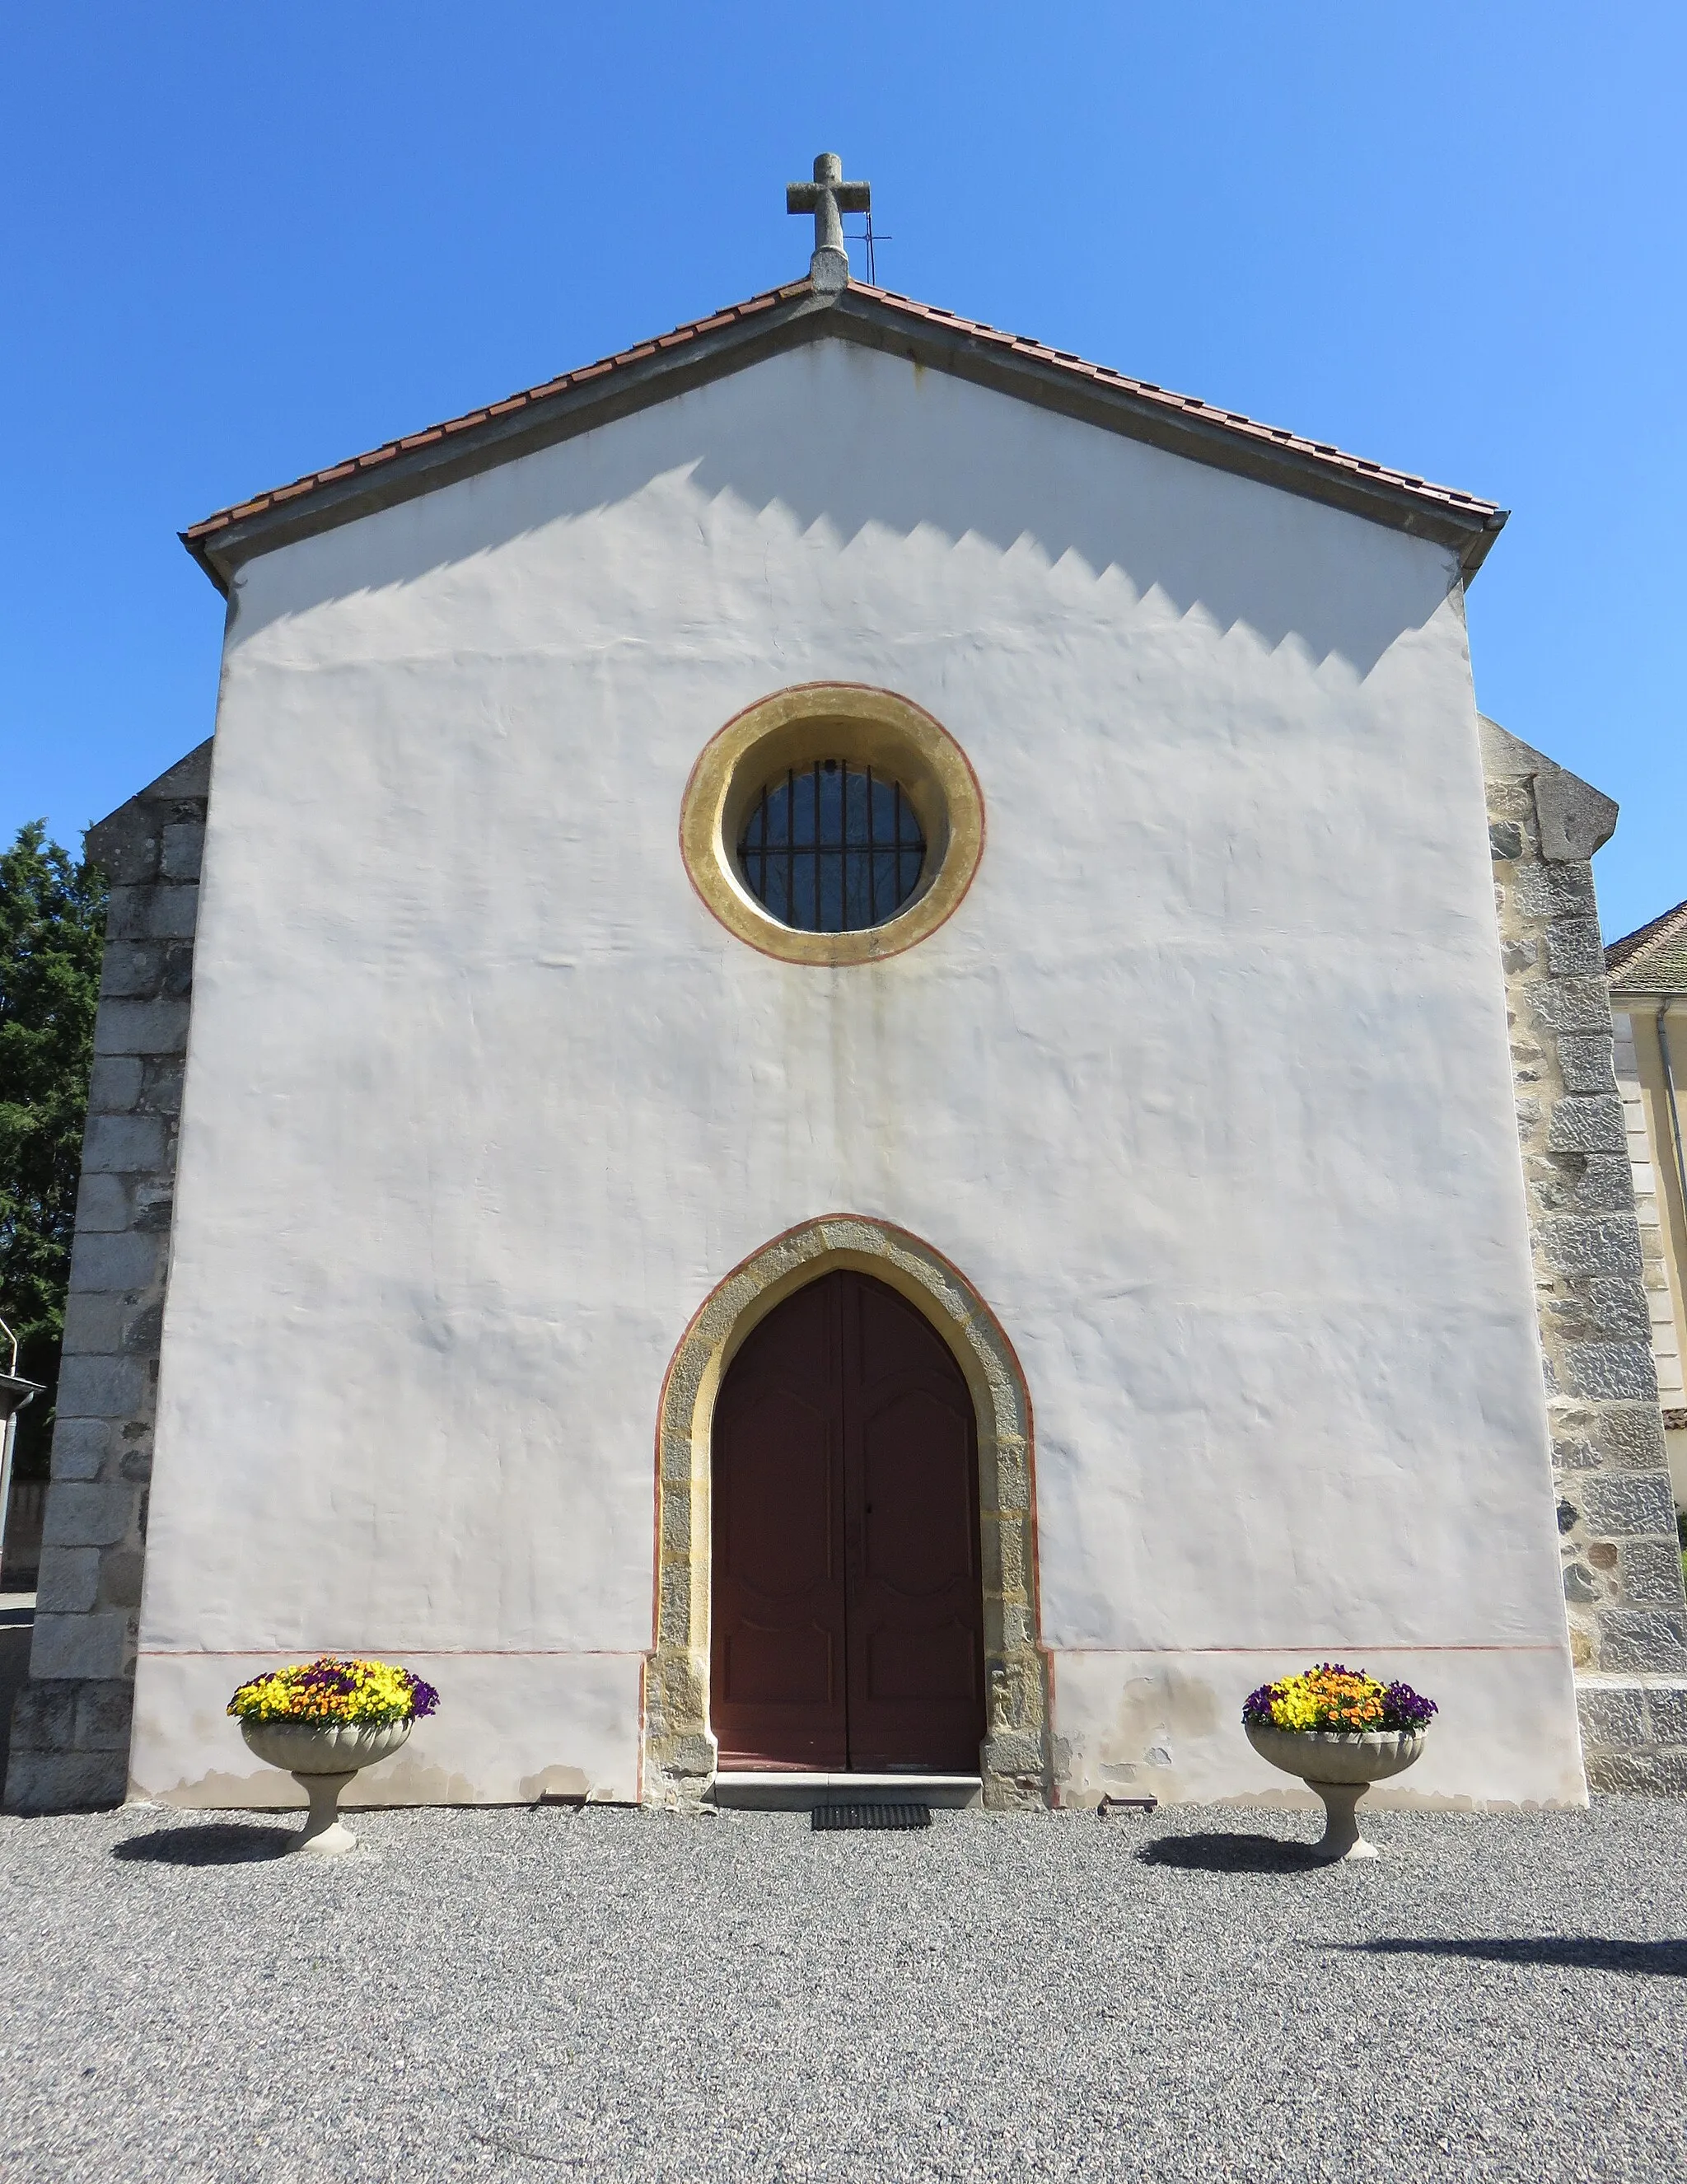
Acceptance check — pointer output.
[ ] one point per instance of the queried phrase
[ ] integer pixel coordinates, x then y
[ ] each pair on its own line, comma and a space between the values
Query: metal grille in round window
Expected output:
832, 848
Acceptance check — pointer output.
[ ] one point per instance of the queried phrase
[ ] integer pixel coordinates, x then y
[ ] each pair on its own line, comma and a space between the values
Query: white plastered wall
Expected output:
1204, 1088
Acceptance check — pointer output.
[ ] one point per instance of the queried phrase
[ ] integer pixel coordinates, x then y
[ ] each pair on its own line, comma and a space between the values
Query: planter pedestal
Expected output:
1341, 1767
324, 1832
1341, 1837
322, 1758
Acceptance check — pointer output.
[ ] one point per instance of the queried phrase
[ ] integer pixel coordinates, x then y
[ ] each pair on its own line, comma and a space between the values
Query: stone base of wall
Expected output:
1634, 1734
71, 1738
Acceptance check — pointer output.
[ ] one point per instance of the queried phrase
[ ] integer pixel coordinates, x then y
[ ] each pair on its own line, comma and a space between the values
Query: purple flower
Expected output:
424, 1699
1406, 1708
1256, 1707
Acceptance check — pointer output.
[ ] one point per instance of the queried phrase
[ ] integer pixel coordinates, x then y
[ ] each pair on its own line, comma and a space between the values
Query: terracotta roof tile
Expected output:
1319, 453
1652, 960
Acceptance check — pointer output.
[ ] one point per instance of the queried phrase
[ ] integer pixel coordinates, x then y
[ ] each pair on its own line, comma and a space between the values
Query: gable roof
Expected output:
785, 318
1654, 959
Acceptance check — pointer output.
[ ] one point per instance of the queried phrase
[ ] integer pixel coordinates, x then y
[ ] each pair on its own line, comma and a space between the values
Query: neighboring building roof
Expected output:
1653, 959
785, 318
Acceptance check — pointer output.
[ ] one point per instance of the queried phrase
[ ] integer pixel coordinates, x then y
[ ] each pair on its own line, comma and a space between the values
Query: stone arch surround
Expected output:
678, 1751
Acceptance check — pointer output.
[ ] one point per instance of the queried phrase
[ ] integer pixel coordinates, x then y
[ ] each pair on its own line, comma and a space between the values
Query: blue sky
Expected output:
244, 242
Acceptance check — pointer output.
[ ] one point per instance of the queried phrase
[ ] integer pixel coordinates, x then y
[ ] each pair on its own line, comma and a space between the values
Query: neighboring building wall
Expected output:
70, 1728
1658, 1198
1623, 1584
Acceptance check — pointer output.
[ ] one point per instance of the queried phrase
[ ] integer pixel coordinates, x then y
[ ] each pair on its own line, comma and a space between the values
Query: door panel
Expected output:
776, 1671
916, 1460
847, 1609
911, 1482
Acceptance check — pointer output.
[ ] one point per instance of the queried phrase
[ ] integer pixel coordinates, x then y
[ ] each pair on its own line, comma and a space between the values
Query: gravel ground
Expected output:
623, 1994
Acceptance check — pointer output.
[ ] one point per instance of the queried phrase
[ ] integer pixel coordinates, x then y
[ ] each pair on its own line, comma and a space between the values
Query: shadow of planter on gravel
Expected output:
221, 1843
1564, 1953
1227, 1853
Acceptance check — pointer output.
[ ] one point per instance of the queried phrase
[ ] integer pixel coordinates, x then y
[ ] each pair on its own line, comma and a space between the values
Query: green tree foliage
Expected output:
51, 932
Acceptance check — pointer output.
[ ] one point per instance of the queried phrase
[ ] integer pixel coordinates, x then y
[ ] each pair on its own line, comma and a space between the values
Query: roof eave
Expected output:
444, 457
788, 317
1197, 434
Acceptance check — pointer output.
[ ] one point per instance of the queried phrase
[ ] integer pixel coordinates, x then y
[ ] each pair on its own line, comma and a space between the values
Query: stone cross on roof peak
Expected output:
828, 197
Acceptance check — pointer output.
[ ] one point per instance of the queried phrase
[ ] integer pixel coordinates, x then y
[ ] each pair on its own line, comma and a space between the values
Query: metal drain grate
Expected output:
880, 1815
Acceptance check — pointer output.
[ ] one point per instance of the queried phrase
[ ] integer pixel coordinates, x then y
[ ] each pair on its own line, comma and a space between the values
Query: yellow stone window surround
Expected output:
866, 726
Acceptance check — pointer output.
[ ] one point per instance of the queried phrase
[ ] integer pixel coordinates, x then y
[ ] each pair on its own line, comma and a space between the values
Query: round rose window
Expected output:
831, 847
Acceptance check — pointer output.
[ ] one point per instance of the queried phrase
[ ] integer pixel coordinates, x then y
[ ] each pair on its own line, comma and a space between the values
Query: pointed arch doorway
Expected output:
678, 1745
847, 1608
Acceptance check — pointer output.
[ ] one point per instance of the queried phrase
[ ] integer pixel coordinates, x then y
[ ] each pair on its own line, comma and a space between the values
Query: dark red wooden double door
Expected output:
847, 1607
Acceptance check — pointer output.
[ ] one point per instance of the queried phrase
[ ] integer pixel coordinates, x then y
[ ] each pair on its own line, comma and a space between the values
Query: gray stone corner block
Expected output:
1642, 1642
102, 1387
1619, 1372
93, 1322
1574, 949
1589, 1122
1628, 1504
80, 1447
1626, 1775
80, 1646
133, 1260
1570, 1005
1631, 1436
1593, 1243
131, 970
65, 1782
173, 912
1584, 1062
1614, 1716
122, 1145
68, 1583
1651, 1574
124, 1027
103, 1202
1547, 891
44, 1718
1617, 1307
90, 1515
1667, 1710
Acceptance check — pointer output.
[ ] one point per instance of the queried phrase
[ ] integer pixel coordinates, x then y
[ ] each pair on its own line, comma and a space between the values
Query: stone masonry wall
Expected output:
1623, 1586
71, 1726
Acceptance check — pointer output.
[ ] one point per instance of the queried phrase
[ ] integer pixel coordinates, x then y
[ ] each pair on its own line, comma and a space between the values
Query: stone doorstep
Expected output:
777, 1790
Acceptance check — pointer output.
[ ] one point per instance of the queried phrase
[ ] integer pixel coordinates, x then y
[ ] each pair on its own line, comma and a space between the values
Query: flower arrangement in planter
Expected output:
1339, 1730
322, 1720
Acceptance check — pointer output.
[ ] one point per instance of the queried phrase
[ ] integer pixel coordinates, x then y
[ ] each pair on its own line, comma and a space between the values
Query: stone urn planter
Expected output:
321, 1720
322, 1756
1341, 1730
1340, 1765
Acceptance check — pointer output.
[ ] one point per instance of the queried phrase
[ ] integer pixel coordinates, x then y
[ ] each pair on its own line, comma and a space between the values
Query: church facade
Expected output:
839, 1094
